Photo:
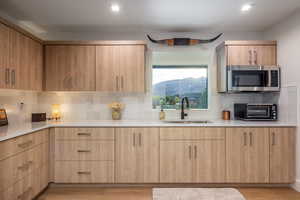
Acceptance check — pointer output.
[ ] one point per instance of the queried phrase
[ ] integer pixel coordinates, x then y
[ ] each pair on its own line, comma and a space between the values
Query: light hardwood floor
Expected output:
145, 194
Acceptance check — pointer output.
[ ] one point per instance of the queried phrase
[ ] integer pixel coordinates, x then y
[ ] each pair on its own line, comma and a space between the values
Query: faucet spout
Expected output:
186, 100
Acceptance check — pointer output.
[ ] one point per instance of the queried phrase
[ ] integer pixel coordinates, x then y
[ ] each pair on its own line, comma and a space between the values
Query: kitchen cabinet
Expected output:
247, 155
70, 68
176, 164
21, 60
192, 155
247, 53
24, 166
4, 44
120, 68
252, 55
84, 155
282, 155
16, 40
137, 155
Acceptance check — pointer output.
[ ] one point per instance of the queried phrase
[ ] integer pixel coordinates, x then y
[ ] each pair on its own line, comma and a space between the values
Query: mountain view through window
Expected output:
172, 83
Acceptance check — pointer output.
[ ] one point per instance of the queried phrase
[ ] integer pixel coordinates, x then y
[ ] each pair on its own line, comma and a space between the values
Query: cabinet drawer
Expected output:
28, 187
17, 167
22, 143
23, 189
84, 172
84, 150
84, 134
192, 133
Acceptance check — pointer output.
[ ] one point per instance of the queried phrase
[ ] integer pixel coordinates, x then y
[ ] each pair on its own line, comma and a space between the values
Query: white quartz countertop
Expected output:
15, 130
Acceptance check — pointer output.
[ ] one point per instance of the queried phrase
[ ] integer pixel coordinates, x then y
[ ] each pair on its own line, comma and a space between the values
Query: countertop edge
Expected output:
29, 127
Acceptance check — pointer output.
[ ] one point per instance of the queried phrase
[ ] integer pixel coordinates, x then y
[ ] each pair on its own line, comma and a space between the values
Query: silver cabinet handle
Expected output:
84, 151
250, 57
117, 83
25, 144
84, 173
13, 77
133, 139
84, 134
6, 76
122, 82
245, 139
273, 139
195, 149
140, 139
251, 138
190, 152
255, 57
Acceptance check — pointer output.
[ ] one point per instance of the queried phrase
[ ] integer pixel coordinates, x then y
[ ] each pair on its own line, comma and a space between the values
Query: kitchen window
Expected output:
172, 82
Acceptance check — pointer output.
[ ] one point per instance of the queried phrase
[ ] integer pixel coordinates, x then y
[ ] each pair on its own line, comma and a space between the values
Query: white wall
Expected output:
287, 34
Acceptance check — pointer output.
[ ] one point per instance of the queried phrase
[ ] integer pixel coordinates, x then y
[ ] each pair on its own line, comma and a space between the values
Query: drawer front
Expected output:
23, 189
84, 150
28, 187
84, 134
22, 143
84, 172
20, 165
192, 133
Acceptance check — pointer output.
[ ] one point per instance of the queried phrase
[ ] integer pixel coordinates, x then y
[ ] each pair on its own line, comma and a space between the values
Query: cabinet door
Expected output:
16, 61
176, 162
137, 155
4, 43
35, 68
264, 55
209, 156
107, 68
132, 68
247, 155
282, 155
70, 68
240, 55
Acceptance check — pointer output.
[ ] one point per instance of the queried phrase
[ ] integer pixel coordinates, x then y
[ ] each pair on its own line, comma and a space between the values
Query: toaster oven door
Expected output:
258, 112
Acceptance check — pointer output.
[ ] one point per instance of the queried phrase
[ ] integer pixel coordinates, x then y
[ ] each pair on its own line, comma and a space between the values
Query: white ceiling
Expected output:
152, 15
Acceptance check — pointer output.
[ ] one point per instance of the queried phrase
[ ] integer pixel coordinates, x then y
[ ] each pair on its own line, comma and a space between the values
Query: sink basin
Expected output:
188, 121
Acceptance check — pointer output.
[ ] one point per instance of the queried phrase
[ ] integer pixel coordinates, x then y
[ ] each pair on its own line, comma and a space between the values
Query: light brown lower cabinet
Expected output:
282, 155
28, 187
137, 155
247, 155
25, 173
84, 155
193, 161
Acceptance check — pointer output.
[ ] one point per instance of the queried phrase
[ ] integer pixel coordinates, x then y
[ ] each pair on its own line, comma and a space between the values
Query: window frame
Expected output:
184, 66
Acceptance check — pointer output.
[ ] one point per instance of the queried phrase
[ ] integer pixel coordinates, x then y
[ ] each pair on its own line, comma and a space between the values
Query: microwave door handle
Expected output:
269, 78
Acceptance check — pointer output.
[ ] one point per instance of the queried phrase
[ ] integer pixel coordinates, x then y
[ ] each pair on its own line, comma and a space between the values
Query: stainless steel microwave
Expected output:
253, 78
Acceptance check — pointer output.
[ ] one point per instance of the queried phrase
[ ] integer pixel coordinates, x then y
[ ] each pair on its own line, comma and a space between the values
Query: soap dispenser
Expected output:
162, 114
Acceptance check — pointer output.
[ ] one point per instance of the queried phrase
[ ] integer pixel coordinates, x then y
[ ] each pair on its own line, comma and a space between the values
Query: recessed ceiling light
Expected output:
115, 7
247, 7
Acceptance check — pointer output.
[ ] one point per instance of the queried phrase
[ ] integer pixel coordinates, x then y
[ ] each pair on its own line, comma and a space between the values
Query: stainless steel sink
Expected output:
188, 121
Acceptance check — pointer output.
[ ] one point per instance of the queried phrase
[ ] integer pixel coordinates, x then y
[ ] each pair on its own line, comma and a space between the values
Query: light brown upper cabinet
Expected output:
30, 64
282, 155
137, 155
4, 44
21, 60
247, 155
247, 53
70, 68
120, 68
